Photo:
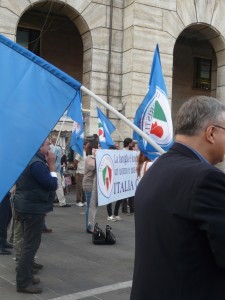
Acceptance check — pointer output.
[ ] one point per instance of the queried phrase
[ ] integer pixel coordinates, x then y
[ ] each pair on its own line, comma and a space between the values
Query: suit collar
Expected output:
186, 150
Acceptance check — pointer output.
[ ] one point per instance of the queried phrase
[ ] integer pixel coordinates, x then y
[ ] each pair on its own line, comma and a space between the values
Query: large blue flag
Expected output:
105, 128
154, 115
33, 96
77, 138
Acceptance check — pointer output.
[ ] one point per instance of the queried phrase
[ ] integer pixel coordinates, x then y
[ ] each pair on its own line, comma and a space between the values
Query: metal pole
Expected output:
56, 142
123, 118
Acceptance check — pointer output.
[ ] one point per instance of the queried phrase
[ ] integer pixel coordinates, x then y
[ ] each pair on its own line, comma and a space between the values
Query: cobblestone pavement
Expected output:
74, 268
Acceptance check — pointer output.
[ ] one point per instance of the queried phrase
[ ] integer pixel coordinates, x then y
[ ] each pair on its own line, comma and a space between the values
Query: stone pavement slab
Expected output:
74, 268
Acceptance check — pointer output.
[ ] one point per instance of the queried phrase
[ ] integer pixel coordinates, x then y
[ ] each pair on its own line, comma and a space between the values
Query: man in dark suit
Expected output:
180, 212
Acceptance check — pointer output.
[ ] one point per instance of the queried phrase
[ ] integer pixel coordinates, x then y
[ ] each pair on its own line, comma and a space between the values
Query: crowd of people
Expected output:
37, 190
179, 208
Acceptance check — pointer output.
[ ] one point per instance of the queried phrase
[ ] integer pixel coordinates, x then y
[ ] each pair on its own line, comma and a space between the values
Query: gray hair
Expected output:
196, 114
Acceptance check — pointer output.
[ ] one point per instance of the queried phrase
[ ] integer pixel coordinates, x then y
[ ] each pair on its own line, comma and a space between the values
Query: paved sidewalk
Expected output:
74, 268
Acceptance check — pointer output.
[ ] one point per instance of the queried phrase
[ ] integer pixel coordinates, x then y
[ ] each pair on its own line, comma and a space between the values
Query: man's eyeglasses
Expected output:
218, 126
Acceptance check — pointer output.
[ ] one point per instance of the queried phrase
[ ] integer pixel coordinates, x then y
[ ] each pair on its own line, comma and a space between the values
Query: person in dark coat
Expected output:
180, 212
35, 193
5, 218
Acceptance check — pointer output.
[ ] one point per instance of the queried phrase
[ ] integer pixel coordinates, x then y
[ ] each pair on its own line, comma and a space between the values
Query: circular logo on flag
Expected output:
106, 175
156, 119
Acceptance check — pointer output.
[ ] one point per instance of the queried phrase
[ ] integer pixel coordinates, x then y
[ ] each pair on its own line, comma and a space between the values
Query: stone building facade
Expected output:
108, 46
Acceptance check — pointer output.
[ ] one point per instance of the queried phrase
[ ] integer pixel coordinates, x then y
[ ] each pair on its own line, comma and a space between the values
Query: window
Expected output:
29, 39
202, 73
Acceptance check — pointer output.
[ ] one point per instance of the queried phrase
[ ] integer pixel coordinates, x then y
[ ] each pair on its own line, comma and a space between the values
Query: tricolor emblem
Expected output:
153, 115
106, 175
156, 120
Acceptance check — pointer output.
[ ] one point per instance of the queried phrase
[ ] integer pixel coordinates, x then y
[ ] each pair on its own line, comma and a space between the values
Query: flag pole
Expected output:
123, 118
56, 142
120, 134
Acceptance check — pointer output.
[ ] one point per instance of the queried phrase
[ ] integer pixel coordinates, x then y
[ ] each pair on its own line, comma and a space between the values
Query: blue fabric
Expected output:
43, 176
75, 112
156, 98
34, 95
107, 128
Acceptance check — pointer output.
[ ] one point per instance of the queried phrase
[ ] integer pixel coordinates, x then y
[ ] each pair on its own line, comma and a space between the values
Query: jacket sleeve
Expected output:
208, 211
41, 174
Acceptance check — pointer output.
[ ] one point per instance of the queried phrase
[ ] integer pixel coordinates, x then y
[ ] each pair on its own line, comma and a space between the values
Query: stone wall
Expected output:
137, 26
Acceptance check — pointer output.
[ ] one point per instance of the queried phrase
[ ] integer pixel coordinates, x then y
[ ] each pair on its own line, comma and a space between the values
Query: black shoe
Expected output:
3, 251
34, 271
36, 280
7, 245
66, 205
30, 289
47, 230
56, 200
37, 266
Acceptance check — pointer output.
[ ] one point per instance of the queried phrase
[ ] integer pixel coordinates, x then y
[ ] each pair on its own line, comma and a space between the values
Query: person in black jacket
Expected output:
35, 193
5, 218
180, 212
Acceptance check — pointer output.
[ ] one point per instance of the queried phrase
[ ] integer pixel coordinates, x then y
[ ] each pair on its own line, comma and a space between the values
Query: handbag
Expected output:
110, 237
98, 236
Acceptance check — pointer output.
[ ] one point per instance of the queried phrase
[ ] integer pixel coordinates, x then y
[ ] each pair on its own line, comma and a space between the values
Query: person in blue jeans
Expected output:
89, 174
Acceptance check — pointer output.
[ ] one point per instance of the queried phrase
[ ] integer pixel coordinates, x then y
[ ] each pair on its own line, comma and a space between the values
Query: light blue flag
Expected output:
33, 96
153, 115
75, 113
105, 129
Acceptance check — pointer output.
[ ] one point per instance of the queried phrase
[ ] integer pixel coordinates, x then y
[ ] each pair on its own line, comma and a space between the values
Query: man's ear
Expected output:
209, 134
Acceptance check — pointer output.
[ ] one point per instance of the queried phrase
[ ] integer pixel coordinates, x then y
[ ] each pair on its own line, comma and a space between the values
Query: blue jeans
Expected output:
88, 199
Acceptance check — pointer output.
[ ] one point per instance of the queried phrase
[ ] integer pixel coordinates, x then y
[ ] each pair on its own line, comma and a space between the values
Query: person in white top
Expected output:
79, 167
128, 203
143, 164
56, 149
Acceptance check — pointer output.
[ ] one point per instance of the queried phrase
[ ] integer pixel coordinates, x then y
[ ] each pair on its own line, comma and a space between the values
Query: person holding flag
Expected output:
89, 180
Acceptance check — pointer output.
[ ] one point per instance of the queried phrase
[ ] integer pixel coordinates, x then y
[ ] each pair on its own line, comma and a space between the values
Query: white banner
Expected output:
116, 175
